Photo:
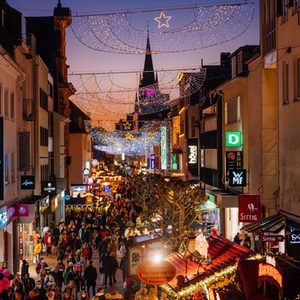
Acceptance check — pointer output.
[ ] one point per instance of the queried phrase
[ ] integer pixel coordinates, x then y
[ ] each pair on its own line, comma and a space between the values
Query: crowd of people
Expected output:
85, 234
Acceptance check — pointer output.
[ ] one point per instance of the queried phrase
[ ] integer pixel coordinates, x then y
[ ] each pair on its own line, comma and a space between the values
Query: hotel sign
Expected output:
163, 145
233, 139
193, 156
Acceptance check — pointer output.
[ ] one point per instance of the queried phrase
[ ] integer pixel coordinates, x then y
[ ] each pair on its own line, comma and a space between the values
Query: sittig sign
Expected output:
249, 208
233, 139
237, 177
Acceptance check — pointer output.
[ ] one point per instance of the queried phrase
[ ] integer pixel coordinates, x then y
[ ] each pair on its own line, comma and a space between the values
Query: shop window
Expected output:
6, 169
43, 136
233, 67
285, 9
297, 77
6, 103
240, 66
12, 106
12, 171
43, 99
232, 111
285, 83
296, 4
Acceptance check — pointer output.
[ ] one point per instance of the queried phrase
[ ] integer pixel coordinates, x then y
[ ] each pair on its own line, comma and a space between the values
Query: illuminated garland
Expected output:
204, 26
128, 142
99, 93
215, 281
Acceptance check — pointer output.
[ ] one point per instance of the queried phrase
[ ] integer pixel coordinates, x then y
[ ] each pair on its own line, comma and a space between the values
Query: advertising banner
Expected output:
249, 208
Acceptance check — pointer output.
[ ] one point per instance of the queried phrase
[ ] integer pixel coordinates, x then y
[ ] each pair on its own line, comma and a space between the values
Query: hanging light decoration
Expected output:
127, 142
192, 28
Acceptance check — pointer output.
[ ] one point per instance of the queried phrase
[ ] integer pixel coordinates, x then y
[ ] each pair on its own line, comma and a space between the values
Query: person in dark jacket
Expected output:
90, 277
24, 268
29, 283
58, 276
109, 268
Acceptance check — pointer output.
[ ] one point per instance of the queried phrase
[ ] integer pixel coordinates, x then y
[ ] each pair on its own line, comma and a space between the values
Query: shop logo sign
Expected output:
295, 237
237, 178
27, 183
249, 208
233, 139
152, 161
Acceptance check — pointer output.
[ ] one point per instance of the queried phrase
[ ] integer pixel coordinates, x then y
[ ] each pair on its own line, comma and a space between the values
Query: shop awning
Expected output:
273, 224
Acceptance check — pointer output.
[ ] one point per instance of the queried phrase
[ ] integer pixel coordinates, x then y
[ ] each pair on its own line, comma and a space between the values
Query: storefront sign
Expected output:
3, 217
193, 156
249, 208
233, 139
163, 136
267, 270
27, 182
49, 187
237, 177
234, 160
152, 161
272, 238
156, 274
107, 189
270, 259
295, 237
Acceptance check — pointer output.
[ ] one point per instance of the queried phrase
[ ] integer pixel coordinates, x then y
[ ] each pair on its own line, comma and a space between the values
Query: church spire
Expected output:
148, 73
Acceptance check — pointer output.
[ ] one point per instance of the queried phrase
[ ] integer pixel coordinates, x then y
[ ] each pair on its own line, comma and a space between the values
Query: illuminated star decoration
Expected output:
163, 20
129, 137
127, 125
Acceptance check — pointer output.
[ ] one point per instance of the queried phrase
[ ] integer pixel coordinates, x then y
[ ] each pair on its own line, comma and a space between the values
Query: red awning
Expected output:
223, 252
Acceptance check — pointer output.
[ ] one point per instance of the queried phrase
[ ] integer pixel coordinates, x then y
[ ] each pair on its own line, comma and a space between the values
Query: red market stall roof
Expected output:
223, 253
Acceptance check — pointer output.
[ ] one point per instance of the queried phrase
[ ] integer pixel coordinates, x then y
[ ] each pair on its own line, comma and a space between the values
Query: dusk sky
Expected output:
83, 59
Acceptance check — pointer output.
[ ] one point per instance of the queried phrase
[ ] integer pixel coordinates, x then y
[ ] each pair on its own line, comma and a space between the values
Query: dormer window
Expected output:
240, 62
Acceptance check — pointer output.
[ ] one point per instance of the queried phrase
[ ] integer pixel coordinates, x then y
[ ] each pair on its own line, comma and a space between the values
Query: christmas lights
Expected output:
124, 32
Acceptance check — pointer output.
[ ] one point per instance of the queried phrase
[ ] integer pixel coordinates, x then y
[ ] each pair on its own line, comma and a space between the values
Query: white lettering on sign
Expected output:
295, 238
245, 218
237, 178
193, 154
233, 139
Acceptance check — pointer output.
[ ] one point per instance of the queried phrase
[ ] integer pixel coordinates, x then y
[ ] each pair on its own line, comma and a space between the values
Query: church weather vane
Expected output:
163, 20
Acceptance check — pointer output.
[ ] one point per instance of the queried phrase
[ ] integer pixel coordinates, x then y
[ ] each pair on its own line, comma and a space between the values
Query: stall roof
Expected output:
273, 224
223, 252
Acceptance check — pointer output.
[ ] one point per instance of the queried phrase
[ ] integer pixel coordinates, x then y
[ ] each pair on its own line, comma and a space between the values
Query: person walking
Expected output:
108, 268
90, 277
24, 268
28, 283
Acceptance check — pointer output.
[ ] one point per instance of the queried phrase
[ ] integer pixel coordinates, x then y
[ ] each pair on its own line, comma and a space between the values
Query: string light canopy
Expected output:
127, 142
104, 93
193, 27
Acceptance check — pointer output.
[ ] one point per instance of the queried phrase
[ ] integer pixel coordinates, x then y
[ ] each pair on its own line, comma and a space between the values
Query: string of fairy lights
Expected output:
129, 142
188, 28
102, 93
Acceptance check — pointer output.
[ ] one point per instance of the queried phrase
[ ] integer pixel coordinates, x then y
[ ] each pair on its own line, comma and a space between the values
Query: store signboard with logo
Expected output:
86, 172
237, 177
174, 162
49, 187
295, 237
152, 161
27, 182
233, 139
163, 146
249, 208
3, 217
193, 156
234, 160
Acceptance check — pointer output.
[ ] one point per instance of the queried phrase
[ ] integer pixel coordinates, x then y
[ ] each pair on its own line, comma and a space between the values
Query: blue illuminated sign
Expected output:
152, 161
